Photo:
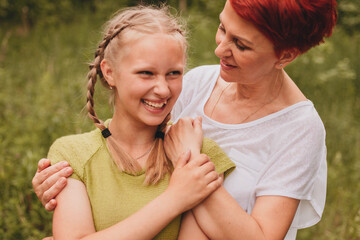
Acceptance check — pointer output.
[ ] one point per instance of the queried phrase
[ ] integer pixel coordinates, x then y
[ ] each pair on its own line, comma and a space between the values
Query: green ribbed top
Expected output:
115, 195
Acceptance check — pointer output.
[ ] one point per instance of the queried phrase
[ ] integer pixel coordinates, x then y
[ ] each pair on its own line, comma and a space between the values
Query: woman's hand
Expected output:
185, 135
192, 181
49, 181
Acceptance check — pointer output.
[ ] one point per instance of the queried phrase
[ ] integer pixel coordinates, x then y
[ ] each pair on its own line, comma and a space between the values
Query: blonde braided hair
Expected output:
96, 70
142, 20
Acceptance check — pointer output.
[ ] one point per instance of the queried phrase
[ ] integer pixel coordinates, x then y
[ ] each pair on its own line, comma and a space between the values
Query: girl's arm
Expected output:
49, 180
190, 228
190, 183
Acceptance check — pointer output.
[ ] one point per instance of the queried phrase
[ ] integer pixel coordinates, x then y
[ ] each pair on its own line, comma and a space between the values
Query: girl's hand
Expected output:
49, 181
192, 181
185, 134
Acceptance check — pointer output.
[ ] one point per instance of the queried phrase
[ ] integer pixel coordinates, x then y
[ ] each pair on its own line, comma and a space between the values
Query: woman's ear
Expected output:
107, 72
286, 57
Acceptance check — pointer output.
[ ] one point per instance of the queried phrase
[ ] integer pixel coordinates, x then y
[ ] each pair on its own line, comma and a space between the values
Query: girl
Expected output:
120, 188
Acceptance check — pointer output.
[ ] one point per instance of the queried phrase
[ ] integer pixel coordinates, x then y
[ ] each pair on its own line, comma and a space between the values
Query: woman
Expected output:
256, 113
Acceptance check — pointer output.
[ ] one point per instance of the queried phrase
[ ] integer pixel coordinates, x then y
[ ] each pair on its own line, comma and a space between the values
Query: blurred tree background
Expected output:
44, 48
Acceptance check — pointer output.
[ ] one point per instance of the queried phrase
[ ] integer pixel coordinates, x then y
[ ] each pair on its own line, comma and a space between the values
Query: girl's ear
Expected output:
286, 57
107, 72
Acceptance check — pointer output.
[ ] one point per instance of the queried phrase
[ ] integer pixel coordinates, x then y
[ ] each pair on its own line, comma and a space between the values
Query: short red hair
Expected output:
290, 24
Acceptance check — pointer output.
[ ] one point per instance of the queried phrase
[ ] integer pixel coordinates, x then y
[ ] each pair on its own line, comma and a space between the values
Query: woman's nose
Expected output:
223, 48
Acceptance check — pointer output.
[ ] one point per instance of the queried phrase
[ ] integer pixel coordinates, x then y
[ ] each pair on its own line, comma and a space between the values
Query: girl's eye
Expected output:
145, 73
174, 73
240, 46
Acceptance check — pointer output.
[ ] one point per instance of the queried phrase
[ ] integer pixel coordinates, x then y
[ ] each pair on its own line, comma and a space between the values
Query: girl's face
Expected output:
147, 76
246, 55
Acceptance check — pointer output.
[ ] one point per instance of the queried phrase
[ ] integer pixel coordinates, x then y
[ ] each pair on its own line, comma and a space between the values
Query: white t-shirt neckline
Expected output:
281, 154
247, 124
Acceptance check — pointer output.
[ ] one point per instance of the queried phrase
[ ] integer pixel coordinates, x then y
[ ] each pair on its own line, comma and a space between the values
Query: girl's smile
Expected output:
147, 76
154, 105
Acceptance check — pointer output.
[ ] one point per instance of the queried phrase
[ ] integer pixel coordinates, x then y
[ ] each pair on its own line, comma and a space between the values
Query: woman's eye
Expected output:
241, 47
221, 27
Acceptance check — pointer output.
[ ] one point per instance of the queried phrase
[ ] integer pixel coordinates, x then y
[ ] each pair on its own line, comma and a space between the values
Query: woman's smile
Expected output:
226, 66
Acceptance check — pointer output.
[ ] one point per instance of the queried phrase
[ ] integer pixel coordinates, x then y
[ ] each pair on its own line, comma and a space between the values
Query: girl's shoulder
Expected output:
222, 162
76, 148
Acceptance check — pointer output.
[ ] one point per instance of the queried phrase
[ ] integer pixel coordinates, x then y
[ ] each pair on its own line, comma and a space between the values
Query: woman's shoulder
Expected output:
301, 115
199, 79
201, 72
298, 127
304, 115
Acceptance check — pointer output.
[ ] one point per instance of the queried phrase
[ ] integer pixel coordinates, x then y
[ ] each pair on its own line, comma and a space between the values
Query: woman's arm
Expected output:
221, 217
49, 180
190, 229
190, 183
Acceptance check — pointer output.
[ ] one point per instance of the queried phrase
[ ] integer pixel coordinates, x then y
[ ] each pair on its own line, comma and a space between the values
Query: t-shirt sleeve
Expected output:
222, 162
196, 84
62, 150
297, 169
188, 90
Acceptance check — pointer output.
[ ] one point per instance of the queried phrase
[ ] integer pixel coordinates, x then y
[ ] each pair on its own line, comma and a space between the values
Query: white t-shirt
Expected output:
282, 154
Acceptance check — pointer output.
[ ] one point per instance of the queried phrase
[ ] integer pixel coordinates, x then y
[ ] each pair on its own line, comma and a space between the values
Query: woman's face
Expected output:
246, 55
147, 76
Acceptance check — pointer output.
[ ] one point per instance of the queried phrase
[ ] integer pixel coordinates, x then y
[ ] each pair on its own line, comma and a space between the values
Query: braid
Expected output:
158, 165
142, 20
92, 78
163, 125
95, 70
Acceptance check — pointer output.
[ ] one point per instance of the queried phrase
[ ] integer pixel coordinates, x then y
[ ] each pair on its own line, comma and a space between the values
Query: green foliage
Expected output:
43, 88
40, 11
329, 76
203, 21
42, 97
349, 17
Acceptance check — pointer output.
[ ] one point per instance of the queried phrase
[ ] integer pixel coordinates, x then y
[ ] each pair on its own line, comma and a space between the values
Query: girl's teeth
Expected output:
155, 105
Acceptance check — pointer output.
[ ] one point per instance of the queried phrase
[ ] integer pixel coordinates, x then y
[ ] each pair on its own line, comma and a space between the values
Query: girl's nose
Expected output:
162, 87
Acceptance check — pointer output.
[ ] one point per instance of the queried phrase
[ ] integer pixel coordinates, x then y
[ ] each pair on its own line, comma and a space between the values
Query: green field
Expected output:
43, 65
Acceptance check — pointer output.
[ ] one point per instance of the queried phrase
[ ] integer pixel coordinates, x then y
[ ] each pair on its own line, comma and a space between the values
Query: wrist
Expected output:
174, 203
195, 151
